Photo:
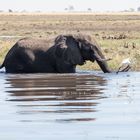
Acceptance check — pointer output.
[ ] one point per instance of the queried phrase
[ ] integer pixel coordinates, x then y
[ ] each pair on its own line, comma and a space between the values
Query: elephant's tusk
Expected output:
106, 59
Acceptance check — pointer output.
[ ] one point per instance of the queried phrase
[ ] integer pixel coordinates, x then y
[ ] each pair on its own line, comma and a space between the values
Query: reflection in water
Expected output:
70, 106
61, 94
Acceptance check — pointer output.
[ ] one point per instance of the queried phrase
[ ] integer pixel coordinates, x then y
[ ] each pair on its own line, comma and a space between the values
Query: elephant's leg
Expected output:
13, 66
26, 60
20, 62
14, 69
63, 67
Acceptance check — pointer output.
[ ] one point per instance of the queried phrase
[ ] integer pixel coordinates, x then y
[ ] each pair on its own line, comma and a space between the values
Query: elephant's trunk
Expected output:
103, 65
101, 60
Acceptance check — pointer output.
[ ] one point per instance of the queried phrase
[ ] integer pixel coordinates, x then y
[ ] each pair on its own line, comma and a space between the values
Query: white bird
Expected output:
125, 65
126, 61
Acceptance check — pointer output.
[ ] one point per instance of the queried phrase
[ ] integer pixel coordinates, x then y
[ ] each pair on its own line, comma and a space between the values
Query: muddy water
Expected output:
81, 106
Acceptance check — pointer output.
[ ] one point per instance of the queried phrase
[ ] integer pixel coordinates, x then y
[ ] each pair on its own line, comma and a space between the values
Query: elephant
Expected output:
30, 55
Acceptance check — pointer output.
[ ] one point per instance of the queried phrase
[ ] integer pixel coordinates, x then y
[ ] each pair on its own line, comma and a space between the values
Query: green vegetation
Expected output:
117, 34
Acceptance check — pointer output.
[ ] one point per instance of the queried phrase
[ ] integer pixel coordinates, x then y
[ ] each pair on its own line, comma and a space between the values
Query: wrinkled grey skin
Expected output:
67, 51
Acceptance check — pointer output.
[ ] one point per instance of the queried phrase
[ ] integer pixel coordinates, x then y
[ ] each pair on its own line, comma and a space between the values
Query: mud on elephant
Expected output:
40, 56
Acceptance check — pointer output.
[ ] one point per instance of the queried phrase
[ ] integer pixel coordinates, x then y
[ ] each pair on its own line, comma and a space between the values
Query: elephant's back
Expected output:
35, 43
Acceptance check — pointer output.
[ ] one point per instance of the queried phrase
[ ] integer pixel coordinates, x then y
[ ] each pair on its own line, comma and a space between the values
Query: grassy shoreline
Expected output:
118, 34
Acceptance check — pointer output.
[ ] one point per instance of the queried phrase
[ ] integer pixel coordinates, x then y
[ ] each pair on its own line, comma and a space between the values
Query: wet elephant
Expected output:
40, 56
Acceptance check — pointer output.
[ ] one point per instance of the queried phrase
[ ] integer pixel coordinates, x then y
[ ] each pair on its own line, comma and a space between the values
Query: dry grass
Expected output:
105, 27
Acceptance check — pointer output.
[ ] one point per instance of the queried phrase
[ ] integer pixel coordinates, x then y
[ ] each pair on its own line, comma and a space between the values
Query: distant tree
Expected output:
89, 9
66, 9
10, 11
138, 9
71, 8
131, 9
23, 11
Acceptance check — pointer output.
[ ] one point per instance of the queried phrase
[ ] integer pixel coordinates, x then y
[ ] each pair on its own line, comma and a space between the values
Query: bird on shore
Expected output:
125, 65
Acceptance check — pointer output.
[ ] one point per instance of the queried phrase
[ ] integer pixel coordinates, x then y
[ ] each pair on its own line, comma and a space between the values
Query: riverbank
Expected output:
118, 34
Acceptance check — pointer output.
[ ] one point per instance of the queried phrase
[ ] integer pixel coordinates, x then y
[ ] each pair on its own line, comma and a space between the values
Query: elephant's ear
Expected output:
73, 53
68, 50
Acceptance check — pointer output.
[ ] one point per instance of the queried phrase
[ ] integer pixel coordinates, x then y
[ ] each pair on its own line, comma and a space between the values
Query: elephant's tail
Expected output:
2, 65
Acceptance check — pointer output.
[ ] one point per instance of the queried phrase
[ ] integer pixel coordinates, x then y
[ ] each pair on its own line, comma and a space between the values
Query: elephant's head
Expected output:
76, 49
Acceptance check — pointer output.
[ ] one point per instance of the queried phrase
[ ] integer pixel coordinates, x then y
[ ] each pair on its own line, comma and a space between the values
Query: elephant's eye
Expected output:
64, 38
87, 48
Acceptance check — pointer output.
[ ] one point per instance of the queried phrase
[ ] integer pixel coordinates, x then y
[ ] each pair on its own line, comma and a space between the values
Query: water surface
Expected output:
82, 106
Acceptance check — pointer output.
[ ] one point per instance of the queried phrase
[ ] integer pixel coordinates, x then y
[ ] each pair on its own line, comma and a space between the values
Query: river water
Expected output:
83, 106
